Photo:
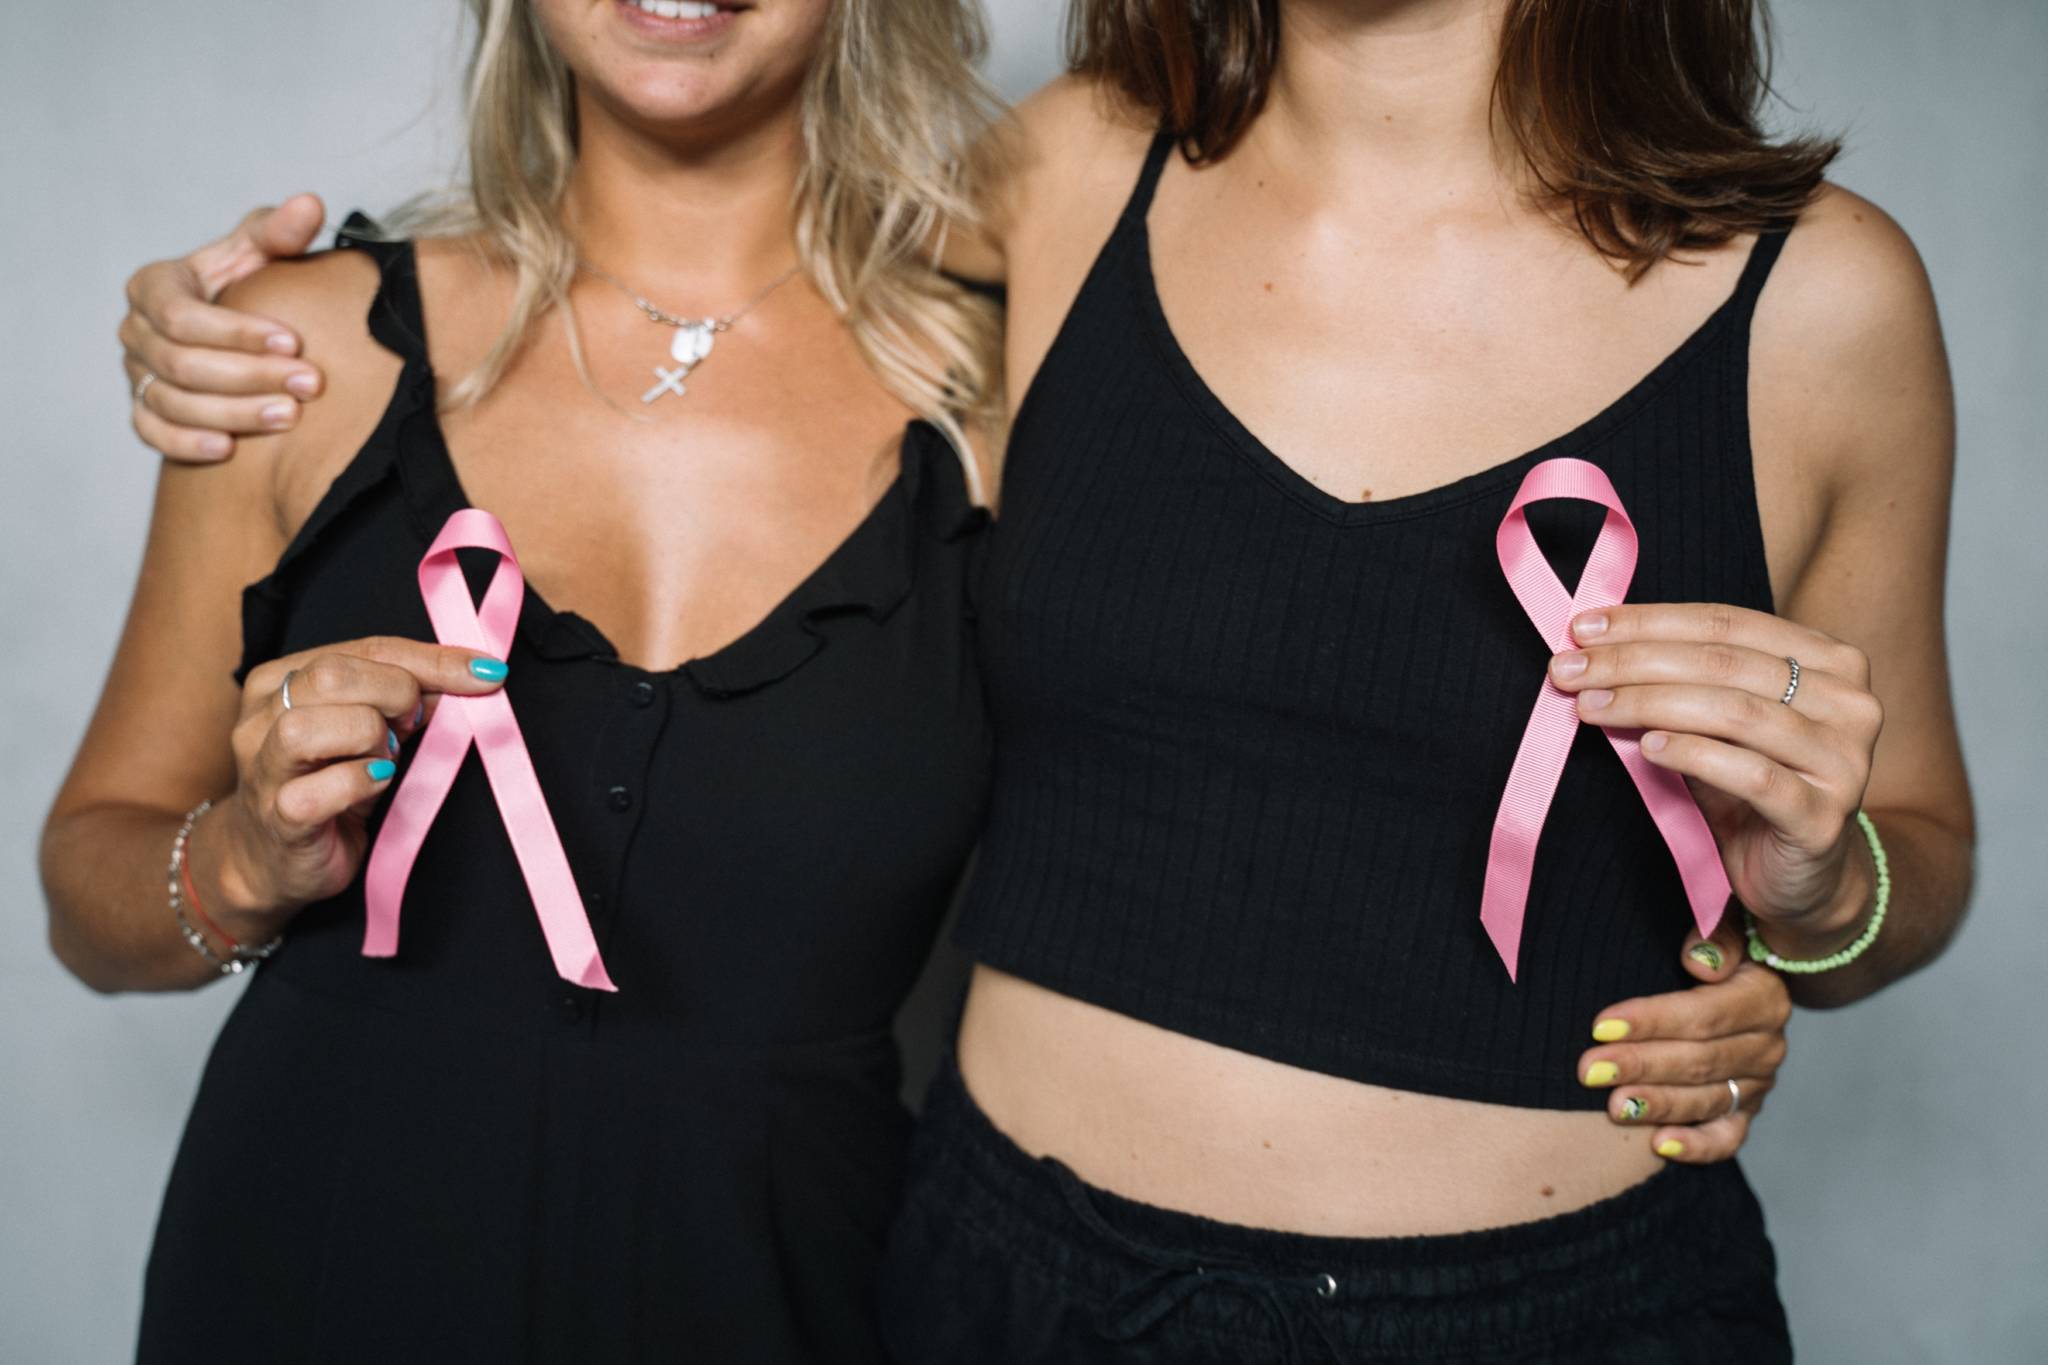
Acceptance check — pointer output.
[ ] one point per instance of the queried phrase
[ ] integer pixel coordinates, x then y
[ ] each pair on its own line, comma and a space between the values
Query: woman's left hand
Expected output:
1779, 783
1668, 1059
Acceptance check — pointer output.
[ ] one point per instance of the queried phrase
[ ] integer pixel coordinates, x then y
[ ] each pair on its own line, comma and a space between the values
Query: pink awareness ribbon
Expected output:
1539, 762
486, 721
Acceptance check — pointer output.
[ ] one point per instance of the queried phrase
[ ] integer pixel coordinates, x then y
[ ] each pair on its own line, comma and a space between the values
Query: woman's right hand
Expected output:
294, 830
219, 373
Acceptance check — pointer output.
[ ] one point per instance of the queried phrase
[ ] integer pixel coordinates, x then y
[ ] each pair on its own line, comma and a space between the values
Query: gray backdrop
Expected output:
1904, 1160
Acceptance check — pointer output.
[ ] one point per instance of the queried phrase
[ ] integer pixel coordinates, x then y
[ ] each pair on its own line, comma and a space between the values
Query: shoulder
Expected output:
1079, 136
1846, 341
1849, 279
326, 298
1064, 155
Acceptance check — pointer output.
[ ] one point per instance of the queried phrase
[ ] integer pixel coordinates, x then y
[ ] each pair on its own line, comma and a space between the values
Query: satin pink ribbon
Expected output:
486, 721
1539, 762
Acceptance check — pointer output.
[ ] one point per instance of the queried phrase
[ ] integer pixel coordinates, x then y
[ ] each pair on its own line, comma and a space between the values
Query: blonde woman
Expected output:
740, 672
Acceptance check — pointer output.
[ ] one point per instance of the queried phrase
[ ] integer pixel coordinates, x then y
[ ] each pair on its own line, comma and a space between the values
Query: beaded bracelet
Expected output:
1760, 951
238, 958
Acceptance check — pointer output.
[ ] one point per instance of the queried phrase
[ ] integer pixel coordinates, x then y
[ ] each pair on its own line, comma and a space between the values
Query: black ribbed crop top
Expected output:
1252, 738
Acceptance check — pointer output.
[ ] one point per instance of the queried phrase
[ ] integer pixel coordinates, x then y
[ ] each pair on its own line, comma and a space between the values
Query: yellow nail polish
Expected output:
1670, 1147
1610, 1030
1602, 1073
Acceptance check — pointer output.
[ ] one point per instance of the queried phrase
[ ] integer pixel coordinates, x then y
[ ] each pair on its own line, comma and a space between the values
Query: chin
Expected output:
679, 65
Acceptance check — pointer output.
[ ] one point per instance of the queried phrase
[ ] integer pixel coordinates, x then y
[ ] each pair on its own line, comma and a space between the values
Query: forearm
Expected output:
105, 875
1930, 865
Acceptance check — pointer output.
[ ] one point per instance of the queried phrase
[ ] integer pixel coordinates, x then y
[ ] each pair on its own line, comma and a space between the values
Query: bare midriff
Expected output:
1183, 1124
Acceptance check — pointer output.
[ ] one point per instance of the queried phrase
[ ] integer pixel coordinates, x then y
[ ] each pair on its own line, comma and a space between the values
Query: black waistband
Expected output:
1686, 1236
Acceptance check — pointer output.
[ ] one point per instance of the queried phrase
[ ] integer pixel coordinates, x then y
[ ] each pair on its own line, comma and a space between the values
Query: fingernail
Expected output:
303, 384
381, 769
391, 740
419, 713
1708, 955
488, 670
279, 415
1633, 1108
1568, 666
1670, 1147
281, 343
1594, 698
1610, 1030
1602, 1073
1655, 741
1591, 624
218, 447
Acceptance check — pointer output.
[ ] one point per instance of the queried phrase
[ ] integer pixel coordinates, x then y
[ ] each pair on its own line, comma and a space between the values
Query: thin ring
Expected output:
1734, 1095
1792, 685
142, 384
284, 689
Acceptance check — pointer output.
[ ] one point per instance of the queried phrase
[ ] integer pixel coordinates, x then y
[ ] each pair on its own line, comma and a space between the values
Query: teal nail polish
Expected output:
488, 670
381, 769
391, 740
419, 713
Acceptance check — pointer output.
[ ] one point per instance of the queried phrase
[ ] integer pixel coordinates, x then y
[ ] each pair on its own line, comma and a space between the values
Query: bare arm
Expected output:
172, 727
1865, 389
1853, 432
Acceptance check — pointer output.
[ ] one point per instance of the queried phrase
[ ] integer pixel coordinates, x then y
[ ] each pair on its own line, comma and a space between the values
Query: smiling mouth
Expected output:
676, 9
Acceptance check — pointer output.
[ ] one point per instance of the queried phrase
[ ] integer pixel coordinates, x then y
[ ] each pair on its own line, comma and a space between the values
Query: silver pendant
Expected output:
691, 344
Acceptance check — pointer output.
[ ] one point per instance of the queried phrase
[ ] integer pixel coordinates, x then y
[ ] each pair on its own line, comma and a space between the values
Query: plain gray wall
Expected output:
1904, 1160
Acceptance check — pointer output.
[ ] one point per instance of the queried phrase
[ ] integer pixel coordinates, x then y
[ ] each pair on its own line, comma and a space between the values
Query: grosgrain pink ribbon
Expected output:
1539, 762
486, 721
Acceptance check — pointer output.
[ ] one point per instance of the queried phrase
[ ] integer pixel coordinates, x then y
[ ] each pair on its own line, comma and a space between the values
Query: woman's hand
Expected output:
1669, 1058
218, 373
307, 776
1779, 783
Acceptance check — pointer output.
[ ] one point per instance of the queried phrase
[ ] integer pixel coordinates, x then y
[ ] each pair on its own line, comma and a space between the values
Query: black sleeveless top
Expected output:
454, 1155
1252, 737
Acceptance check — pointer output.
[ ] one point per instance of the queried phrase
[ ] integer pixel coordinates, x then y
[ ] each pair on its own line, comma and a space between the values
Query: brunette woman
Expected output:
1303, 294
740, 672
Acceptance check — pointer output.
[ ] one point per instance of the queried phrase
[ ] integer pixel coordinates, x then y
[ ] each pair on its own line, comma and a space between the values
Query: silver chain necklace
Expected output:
692, 340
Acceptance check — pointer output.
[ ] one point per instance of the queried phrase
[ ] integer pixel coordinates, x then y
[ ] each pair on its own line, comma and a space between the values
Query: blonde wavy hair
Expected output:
892, 109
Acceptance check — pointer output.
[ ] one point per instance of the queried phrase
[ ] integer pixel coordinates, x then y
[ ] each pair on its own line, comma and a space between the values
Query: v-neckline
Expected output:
1466, 488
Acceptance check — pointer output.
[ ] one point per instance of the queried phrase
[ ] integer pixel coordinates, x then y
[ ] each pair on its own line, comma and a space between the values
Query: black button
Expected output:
593, 899
643, 693
619, 799
570, 1006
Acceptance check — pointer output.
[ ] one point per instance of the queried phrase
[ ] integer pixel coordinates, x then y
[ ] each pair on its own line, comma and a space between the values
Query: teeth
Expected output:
678, 9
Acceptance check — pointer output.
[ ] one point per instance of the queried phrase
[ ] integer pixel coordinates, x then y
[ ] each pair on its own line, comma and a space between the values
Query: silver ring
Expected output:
284, 689
1734, 1095
142, 384
1792, 686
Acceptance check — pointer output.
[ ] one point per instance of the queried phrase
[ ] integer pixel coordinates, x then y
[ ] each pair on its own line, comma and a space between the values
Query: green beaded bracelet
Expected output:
1759, 951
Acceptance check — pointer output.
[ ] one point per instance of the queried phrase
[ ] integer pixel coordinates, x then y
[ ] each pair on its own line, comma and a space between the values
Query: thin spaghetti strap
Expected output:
1162, 147
1762, 256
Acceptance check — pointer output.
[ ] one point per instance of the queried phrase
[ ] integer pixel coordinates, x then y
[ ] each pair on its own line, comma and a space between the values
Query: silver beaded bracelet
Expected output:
240, 958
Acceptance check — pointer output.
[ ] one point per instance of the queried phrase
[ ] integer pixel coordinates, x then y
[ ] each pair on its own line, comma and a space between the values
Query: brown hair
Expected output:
1639, 118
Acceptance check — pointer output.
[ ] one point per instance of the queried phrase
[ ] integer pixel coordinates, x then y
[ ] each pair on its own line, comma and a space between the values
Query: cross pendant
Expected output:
671, 382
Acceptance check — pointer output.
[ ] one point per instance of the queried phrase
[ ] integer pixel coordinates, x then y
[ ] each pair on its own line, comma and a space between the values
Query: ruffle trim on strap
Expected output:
393, 320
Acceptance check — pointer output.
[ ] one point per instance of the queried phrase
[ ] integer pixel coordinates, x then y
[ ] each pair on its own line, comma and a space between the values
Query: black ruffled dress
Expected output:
453, 1155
